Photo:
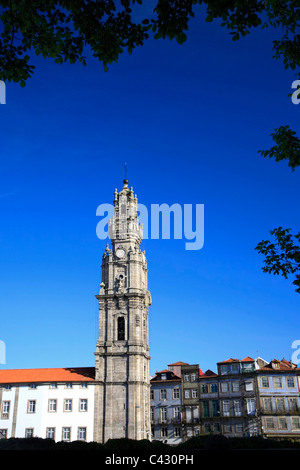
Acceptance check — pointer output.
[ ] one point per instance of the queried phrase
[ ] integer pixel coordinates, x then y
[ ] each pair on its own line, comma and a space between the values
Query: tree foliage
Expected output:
62, 29
287, 147
283, 255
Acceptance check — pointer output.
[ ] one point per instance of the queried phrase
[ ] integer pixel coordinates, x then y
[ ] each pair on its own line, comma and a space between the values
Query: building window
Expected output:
270, 423
7, 387
216, 427
176, 394
195, 413
53, 385
280, 404
250, 406
68, 404
69, 385
82, 434
194, 393
237, 406
267, 404
151, 394
282, 423
248, 367
265, 382
177, 432
227, 428
214, 388
207, 428
163, 376
66, 434
31, 406
83, 404
224, 387
5, 409
277, 382
226, 408
83, 385
177, 413
50, 433
235, 386
249, 386
163, 414
186, 377
293, 403
152, 411
28, 433
204, 388
235, 368
121, 328
193, 377
205, 408
164, 432
290, 381
163, 394
187, 394
32, 386
215, 408
239, 428
295, 422
52, 405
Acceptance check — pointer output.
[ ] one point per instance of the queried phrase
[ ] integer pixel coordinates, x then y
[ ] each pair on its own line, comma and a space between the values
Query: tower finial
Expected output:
125, 181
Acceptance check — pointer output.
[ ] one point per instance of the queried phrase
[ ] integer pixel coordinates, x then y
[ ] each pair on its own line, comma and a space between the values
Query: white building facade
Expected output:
48, 403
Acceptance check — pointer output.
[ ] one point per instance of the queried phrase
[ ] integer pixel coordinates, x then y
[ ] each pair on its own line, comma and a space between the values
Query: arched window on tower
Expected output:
121, 329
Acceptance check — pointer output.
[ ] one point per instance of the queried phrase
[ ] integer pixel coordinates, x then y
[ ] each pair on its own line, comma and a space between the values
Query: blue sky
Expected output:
188, 120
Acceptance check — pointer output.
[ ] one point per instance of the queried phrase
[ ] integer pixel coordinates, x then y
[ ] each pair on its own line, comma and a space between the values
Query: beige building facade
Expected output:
122, 399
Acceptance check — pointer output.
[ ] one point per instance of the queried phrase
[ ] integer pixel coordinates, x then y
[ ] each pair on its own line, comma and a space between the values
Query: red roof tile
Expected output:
66, 374
247, 359
170, 376
276, 365
228, 360
179, 364
208, 373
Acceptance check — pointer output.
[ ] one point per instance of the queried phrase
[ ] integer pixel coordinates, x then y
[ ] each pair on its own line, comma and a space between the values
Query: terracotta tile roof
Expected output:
179, 364
228, 360
208, 373
246, 359
66, 374
276, 365
170, 376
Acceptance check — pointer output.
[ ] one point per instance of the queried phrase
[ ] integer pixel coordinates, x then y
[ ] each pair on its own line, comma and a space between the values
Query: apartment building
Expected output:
209, 403
190, 399
166, 407
279, 406
238, 397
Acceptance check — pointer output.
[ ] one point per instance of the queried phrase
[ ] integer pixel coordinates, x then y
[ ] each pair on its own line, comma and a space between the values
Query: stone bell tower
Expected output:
122, 402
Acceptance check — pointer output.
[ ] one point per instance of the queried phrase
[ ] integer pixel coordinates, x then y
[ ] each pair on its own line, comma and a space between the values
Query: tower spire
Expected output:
122, 350
125, 167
